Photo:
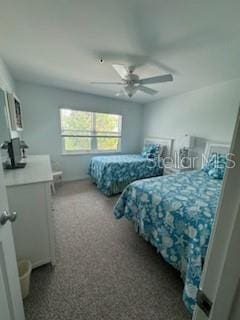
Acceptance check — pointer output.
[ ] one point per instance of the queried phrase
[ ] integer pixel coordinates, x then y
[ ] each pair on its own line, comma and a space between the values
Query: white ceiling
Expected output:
58, 42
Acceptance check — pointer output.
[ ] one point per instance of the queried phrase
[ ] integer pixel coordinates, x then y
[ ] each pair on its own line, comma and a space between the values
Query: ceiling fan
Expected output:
132, 83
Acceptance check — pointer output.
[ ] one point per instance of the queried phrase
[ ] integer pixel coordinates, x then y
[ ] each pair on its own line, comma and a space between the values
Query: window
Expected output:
84, 131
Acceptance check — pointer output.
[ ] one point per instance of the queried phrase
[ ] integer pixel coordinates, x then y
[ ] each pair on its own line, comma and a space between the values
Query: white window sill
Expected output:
90, 153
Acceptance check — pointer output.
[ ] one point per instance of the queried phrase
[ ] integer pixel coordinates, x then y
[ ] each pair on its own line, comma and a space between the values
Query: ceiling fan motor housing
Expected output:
131, 78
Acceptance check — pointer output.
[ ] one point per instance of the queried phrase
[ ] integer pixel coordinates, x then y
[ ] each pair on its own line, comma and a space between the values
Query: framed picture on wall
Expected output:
15, 112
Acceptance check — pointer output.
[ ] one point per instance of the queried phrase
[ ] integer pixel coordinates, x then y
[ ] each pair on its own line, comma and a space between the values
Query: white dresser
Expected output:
29, 194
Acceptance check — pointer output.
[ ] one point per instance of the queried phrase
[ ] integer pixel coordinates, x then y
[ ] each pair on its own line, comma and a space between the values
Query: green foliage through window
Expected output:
84, 131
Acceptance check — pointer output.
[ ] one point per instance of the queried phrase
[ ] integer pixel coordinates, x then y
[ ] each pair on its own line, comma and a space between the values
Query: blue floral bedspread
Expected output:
113, 173
175, 213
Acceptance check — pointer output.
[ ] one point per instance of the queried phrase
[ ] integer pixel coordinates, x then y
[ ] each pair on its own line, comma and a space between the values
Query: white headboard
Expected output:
167, 142
217, 147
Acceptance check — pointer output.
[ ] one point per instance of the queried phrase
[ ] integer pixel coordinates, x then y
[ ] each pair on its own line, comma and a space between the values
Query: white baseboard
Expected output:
41, 263
77, 179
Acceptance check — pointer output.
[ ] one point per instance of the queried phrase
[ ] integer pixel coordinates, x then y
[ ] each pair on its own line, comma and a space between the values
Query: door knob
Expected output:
6, 216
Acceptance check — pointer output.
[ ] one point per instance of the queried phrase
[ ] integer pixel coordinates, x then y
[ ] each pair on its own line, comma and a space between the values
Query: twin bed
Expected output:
175, 213
113, 173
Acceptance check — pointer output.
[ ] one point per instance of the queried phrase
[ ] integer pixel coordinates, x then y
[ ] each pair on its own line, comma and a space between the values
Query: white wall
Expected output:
208, 113
42, 128
6, 80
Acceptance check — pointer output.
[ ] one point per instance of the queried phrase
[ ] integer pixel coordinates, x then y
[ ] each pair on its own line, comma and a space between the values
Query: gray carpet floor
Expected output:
104, 269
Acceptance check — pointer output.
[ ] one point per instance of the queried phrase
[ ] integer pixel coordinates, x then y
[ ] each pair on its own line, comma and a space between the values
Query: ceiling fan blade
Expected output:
147, 90
158, 79
99, 82
121, 70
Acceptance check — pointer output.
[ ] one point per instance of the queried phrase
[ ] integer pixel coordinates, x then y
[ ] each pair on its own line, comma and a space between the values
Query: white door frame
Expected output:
220, 278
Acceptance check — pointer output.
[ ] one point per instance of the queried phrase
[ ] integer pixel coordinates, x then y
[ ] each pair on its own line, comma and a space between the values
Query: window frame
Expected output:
93, 137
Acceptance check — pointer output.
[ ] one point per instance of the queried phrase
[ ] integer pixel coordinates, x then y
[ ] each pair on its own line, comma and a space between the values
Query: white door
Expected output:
220, 282
11, 305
